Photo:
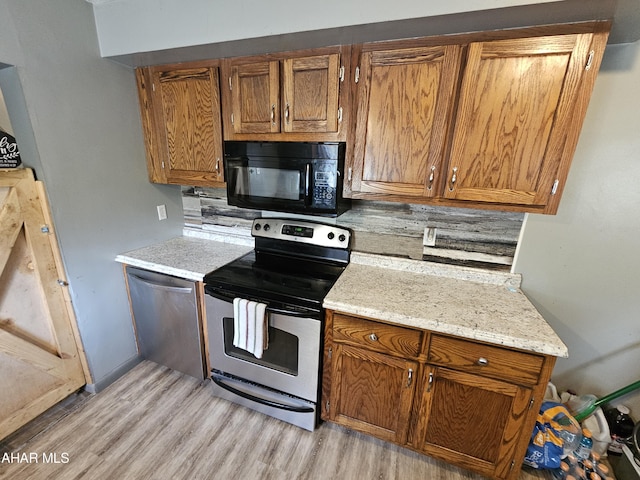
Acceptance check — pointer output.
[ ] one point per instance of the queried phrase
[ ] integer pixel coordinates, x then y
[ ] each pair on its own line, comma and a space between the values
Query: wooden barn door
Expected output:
40, 359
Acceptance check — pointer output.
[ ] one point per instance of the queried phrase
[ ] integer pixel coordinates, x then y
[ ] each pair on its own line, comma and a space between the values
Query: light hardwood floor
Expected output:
154, 423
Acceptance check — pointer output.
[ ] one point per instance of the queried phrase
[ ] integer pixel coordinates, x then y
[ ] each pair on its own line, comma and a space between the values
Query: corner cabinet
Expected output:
468, 403
287, 97
180, 109
490, 122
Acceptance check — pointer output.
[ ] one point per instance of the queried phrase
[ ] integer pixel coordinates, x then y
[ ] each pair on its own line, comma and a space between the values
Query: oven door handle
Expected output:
228, 297
263, 401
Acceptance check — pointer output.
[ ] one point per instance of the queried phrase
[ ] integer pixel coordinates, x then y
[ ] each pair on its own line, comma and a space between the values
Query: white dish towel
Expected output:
250, 326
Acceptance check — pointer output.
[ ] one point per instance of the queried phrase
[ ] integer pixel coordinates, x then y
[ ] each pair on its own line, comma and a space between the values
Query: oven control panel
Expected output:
295, 230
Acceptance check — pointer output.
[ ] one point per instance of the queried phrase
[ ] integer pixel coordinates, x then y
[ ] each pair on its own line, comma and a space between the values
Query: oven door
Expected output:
291, 362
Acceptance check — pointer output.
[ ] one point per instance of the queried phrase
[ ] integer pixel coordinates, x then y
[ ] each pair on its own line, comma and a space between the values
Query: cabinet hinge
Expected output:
589, 60
340, 115
357, 77
554, 189
230, 84
341, 75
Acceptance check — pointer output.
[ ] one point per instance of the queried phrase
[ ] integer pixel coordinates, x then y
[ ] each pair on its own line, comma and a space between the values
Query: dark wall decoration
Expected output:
9, 154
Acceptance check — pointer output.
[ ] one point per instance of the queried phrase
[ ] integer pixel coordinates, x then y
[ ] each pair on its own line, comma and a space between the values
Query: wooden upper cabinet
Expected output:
181, 120
487, 120
516, 111
255, 97
405, 99
294, 97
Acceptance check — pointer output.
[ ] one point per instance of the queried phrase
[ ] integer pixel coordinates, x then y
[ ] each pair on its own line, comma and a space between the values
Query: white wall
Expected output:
76, 120
581, 267
170, 24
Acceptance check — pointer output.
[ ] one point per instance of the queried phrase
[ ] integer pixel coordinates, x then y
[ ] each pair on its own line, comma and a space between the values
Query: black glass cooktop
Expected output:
278, 280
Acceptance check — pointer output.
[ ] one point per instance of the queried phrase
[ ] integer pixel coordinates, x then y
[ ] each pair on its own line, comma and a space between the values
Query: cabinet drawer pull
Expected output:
410, 377
482, 362
454, 177
217, 165
432, 175
286, 113
373, 337
273, 114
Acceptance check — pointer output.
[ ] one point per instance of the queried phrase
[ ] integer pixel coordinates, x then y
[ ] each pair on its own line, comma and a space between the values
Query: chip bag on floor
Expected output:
553, 425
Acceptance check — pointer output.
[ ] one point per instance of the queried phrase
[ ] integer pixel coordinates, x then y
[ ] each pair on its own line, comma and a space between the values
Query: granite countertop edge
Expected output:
192, 256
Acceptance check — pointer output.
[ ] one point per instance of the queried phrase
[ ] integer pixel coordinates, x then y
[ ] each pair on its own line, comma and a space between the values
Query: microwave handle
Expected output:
307, 184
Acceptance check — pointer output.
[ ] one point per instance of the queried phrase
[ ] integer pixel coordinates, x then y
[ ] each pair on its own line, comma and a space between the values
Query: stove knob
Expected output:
342, 237
267, 227
257, 226
330, 235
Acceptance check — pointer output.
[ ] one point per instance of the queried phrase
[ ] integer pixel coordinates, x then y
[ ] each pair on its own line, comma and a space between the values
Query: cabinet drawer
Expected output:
496, 362
376, 336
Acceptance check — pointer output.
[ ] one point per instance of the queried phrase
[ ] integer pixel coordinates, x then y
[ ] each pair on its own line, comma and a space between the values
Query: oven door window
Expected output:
282, 354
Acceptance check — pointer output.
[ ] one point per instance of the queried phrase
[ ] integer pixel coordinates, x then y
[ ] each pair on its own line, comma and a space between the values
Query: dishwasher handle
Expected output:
161, 286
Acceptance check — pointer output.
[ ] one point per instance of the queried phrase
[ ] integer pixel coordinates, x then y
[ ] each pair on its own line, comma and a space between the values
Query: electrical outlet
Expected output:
429, 239
162, 212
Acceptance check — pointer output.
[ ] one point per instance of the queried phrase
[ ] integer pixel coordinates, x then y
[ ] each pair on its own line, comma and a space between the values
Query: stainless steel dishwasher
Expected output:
168, 328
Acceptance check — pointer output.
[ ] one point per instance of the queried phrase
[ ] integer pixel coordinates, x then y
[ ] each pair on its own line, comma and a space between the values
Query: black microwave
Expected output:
292, 177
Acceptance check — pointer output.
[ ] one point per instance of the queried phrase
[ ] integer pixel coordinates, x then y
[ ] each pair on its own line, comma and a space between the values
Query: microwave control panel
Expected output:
325, 182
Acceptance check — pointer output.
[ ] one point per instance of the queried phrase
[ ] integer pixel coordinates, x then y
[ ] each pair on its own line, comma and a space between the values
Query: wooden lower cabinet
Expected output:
471, 421
373, 393
468, 403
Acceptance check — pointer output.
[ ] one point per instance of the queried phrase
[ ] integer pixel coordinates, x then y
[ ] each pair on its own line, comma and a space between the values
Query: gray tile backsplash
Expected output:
483, 238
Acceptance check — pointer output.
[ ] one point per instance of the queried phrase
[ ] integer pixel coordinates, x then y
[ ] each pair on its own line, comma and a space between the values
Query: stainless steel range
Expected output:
265, 317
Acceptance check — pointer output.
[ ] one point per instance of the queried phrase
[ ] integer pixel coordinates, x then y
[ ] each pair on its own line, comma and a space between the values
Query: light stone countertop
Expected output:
185, 257
469, 303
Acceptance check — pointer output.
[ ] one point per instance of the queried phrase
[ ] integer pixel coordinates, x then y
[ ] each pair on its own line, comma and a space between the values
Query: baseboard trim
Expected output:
113, 376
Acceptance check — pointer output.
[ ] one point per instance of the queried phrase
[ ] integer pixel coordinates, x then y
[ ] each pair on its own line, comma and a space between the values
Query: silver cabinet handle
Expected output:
430, 383
273, 114
432, 175
217, 165
286, 113
373, 337
483, 362
349, 173
454, 177
410, 377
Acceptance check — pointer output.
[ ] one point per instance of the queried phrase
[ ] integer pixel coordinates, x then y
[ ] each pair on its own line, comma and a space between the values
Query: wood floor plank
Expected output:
158, 424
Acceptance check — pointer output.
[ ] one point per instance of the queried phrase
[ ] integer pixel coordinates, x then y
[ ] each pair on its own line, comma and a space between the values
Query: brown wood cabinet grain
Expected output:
469, 403
295, 96
180, 107
405, 100
487, 122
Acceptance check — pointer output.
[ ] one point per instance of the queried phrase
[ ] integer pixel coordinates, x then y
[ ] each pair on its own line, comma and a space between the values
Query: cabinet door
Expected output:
472, 421
255, 97
404, 108
372, 392
310, 86
188, 125
516, 108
